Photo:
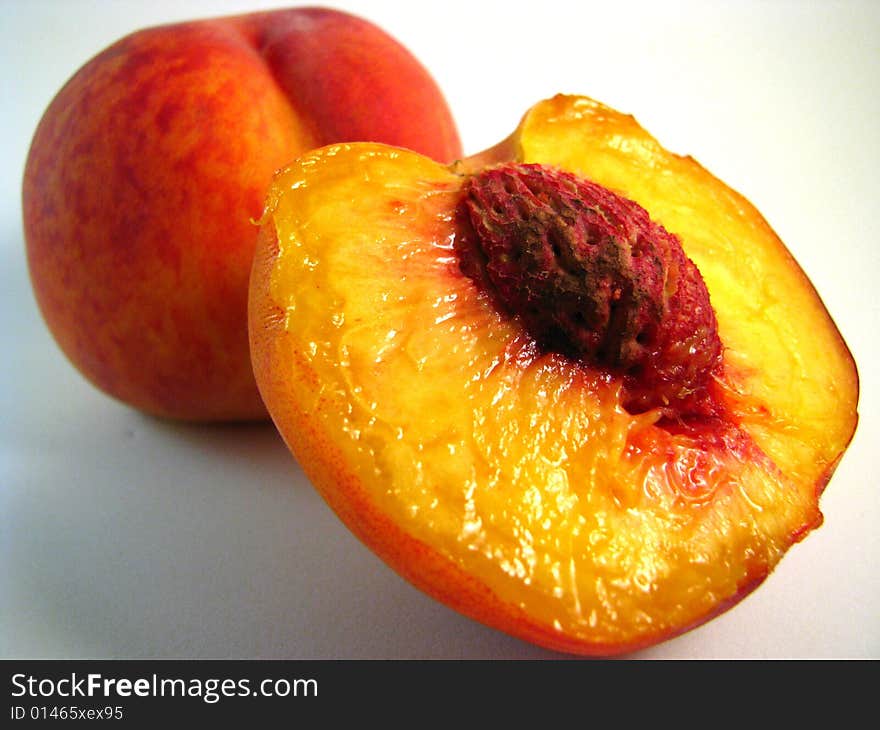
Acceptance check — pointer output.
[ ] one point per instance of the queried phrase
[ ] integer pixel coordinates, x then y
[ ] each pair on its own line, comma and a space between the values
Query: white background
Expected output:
122, 536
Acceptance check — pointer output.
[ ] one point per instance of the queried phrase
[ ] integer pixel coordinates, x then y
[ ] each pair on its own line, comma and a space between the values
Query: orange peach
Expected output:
431, 390
147, 170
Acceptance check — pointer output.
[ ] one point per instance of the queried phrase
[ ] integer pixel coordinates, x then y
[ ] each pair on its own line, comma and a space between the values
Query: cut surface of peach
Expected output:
510, 482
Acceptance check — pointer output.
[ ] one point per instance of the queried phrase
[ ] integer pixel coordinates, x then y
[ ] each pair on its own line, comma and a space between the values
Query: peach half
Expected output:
513, 480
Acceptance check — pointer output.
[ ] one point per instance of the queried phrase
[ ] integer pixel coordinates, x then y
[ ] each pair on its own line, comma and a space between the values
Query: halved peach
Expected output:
511, 481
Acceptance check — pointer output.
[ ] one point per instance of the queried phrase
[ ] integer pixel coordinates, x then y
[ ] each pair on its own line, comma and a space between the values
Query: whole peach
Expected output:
148, 171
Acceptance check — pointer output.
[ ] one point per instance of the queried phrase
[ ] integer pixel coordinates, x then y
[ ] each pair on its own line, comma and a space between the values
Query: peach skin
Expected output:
149, 167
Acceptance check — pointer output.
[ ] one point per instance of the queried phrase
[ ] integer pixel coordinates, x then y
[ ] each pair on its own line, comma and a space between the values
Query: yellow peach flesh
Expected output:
781, 344
520, 469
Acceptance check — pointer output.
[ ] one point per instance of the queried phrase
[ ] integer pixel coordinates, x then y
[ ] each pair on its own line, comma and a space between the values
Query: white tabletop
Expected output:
125, 537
